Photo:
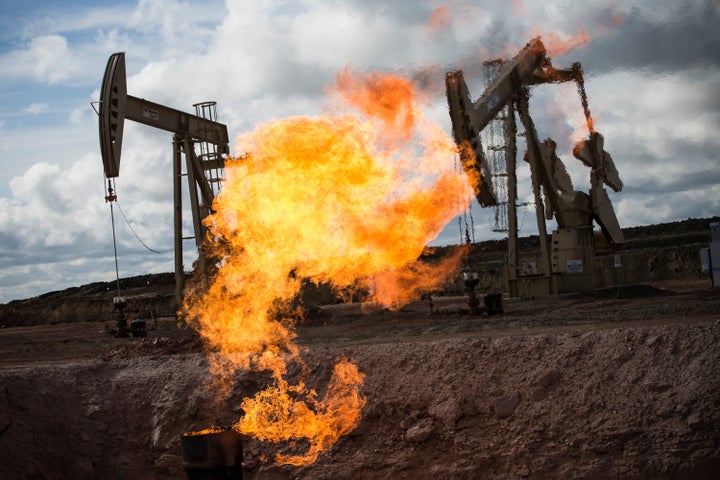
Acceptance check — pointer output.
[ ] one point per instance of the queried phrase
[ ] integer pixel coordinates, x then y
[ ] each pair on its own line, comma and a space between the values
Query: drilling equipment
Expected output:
199, 137
570, 264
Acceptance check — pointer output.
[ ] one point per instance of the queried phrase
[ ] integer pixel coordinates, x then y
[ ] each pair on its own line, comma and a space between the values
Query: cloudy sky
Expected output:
652, 72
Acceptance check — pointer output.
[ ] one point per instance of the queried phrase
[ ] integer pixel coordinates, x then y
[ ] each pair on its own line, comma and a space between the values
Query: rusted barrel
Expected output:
212, 455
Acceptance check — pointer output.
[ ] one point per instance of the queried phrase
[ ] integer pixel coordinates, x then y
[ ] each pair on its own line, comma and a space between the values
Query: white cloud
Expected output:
77, 116
356, 38
50, 58
52, 20
49, 206
36, 108
180, 25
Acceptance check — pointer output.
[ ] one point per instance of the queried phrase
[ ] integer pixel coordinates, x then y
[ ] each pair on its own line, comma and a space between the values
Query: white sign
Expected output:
574, 266
151, 114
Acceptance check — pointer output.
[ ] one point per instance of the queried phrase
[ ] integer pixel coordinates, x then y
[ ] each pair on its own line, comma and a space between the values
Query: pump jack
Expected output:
204, 170
570, 264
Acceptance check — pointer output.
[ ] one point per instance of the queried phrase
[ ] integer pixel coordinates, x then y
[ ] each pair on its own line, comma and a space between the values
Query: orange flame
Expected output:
388, 99
349, 199
440, 19
277, 415
518, 7
558, 44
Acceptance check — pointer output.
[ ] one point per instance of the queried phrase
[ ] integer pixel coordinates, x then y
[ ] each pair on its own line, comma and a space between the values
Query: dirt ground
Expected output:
620, 383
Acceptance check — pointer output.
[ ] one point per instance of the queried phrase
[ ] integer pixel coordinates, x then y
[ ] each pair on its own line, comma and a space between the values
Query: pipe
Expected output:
212, 455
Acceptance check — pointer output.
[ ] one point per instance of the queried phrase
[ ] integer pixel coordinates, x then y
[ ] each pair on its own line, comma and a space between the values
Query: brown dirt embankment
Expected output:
621, 384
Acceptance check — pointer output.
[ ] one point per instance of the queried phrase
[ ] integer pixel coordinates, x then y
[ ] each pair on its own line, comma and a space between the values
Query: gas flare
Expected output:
558, 44
286, 412
348, 199
440, 19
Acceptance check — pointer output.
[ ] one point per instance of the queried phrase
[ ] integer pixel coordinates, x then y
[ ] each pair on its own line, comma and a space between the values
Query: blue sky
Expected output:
652, 76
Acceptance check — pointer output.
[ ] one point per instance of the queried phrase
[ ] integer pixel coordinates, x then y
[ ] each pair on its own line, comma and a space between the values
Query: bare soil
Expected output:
619, 383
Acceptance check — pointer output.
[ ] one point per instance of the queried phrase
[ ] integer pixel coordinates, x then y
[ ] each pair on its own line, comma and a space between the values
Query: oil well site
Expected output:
318, 337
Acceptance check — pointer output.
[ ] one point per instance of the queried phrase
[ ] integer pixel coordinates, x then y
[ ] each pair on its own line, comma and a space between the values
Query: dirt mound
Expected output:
620, 403
92, 302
